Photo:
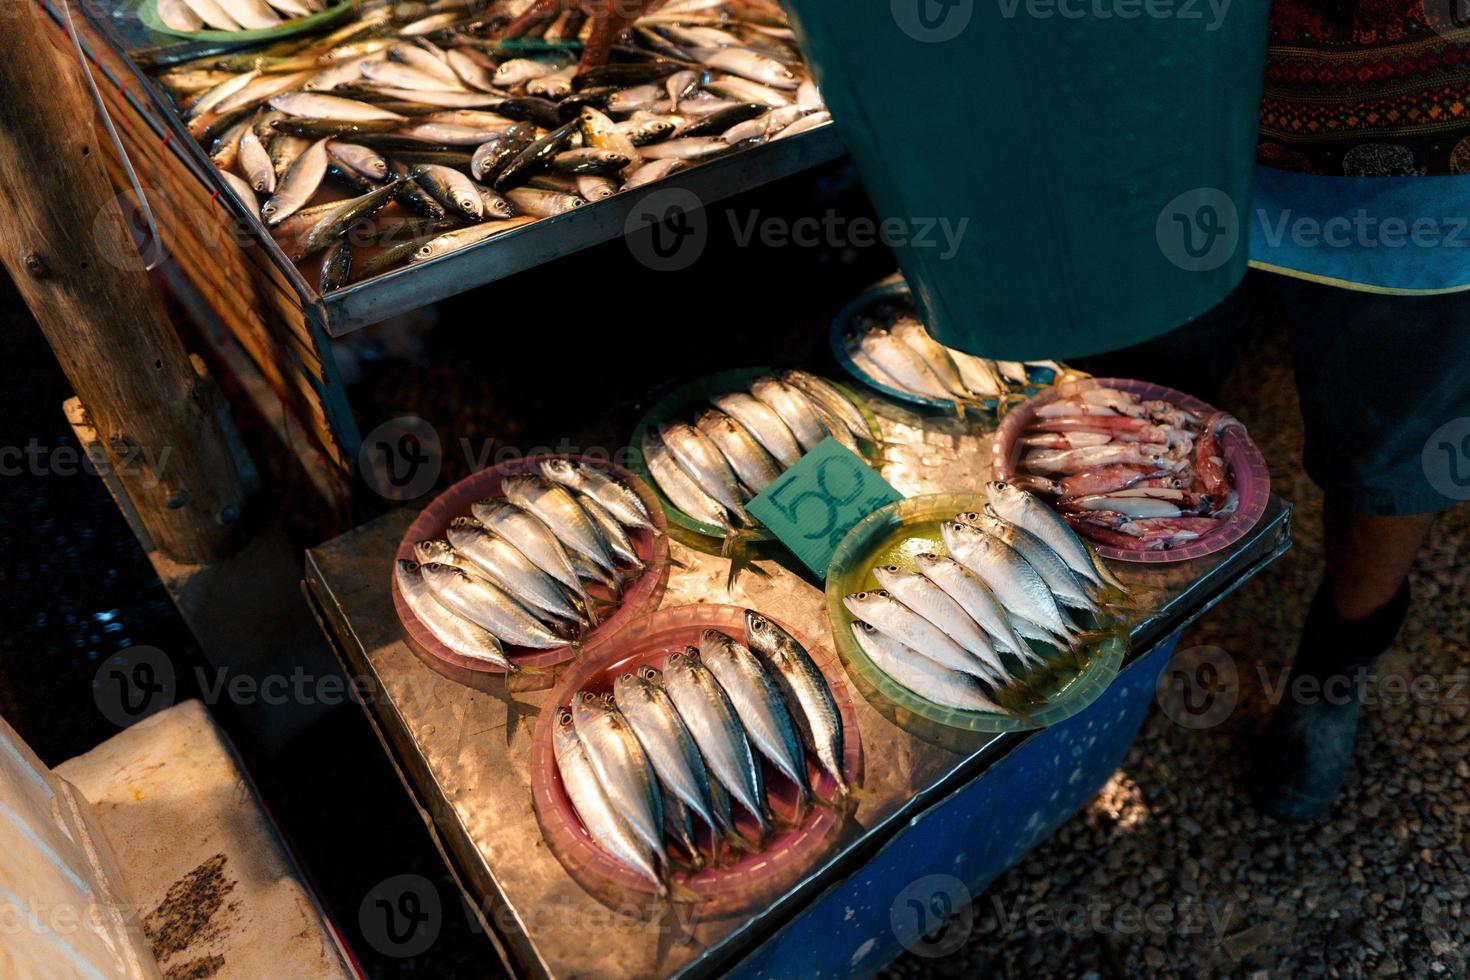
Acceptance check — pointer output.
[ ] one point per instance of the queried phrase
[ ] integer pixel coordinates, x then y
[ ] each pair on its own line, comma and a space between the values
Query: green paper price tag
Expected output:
815, 503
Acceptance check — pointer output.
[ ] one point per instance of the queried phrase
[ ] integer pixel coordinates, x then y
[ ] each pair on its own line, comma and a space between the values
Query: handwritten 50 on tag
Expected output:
815, 503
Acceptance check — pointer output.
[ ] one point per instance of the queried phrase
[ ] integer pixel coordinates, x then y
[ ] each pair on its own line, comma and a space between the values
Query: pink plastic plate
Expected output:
639, 597
1246, 468
751, 879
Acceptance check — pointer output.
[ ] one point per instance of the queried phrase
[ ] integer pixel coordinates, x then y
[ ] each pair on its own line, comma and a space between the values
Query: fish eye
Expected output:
1002, 486
861, 595
890, 568
882, 592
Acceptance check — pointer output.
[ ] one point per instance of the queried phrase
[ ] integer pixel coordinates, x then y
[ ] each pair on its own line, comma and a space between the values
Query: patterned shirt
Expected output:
1367, 88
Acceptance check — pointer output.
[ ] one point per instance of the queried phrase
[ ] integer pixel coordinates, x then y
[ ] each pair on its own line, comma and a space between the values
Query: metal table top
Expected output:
464, 752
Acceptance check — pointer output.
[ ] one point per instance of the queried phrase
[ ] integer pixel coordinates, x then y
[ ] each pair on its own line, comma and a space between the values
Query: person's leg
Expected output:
1377, 376
1368, 558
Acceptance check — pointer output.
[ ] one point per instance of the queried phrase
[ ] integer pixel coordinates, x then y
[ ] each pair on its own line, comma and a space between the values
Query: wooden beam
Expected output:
64, 240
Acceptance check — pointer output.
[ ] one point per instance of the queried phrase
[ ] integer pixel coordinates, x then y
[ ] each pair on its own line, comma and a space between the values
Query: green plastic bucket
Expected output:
1063, 177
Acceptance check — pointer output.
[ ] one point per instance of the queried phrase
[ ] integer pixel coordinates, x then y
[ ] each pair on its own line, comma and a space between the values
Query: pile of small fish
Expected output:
1013, 574
667, 746
518, 572
896, 351
420, 106
732, 451
190, 16
1126, 472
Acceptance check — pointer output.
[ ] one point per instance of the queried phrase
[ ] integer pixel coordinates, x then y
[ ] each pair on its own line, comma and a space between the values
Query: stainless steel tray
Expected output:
345, 310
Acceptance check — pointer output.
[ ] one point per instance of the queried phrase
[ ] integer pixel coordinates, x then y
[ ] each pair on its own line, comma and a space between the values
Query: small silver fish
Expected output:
505, 565
669, 746
794, 408
934, 354
1015, 505
758, 704
751, 463
1015, 583
762, 422
893, 618
712, 721
921, 675
614, 536
930, 601
822, 392
298, 185
488, 606
559, 511
806, 692
607, 490
607, 827
678, 486
621, 766
901, 363
455, 632
705, 464
975, 597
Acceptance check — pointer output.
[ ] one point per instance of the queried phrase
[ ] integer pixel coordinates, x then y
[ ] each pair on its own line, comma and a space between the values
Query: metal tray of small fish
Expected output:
746, 165
898, 544
937, 368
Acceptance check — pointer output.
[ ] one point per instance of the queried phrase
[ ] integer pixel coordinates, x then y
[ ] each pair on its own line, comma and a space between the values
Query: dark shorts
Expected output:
1379, 376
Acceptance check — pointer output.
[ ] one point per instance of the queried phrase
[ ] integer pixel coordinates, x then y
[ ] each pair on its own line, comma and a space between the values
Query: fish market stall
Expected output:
938, 801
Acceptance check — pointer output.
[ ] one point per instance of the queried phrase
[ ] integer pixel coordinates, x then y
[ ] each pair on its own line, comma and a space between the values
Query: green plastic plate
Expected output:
895, 535
148, 14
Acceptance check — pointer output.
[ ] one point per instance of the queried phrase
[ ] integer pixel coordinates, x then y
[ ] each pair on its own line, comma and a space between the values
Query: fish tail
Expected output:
678, 893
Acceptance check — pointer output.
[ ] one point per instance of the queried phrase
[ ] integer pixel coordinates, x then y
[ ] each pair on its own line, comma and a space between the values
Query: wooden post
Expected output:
61, 232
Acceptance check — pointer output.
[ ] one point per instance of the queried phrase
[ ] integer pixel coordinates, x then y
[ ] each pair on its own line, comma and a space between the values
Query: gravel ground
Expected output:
1378, 888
